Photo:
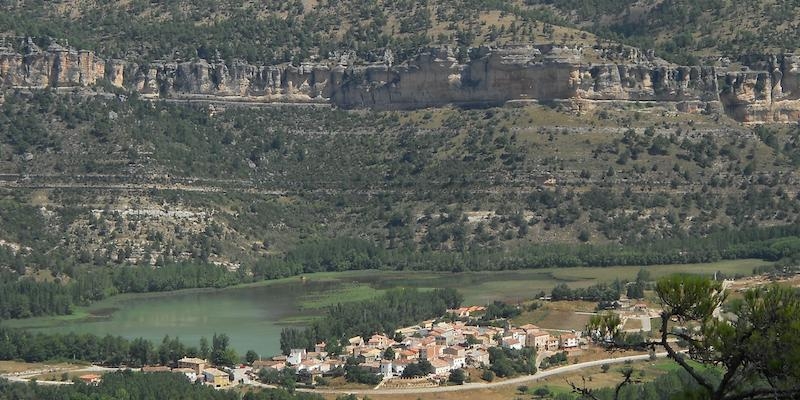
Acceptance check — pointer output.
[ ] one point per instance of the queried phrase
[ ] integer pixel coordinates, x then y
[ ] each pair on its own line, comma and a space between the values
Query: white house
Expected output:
455, 362
399, 366
440, 367
446, 338
456, 356
356, 341
512, 343
386, 369
296, 356
520, 335
310, 365
569, 340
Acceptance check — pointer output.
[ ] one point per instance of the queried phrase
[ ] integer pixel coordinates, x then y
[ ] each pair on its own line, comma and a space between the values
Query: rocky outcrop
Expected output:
434, 78
520, 73
769, 94
55, 67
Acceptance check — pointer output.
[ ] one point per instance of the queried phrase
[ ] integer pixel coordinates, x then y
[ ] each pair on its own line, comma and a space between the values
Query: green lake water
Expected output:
253, 316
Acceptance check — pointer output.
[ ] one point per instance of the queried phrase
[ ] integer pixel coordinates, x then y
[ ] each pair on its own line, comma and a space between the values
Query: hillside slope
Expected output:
102, 180
99, 173
275, 31
688, 32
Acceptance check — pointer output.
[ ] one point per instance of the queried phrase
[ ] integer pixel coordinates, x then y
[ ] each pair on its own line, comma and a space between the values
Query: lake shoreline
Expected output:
256, 312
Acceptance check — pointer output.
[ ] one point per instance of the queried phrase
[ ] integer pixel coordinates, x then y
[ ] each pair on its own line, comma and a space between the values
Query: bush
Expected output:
542, 391
458, 376
487, 375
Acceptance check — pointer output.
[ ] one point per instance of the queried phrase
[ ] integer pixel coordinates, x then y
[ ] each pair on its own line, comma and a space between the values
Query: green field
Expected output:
348, 292
480, 288
644, 371
484, 287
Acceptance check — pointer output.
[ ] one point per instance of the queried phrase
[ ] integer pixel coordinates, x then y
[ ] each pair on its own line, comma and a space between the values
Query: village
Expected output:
422, 355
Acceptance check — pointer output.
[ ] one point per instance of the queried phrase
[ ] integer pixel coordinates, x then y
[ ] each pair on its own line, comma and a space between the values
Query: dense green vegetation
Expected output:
276, 32
395, 309
441, 182
126, 385
267, 32
119, 386
684, 31
599, 292
29, 298
418, 369
509, 362
109, 350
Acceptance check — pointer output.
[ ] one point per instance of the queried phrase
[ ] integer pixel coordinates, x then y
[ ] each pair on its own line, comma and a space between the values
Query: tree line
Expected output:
126, 385
21, 298
110, 350
338, 254
598, 292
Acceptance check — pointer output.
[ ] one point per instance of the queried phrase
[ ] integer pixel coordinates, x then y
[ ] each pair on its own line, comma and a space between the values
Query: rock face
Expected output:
771, 94
56, 67
434, 78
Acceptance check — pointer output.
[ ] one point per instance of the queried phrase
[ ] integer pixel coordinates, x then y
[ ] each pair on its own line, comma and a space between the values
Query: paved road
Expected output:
512, 381
466, 386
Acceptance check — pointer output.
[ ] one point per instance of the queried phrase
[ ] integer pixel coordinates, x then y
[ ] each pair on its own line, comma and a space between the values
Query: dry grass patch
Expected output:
559, 315
634, 323
64, 376
19, 366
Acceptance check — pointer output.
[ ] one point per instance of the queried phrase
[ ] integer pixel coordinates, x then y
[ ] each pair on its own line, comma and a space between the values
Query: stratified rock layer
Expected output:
434, 78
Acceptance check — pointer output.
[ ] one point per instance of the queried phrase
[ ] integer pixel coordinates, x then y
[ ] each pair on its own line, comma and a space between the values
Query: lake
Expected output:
253, 315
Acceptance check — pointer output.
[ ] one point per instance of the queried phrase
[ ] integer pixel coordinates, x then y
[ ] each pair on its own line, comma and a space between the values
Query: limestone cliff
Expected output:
769, 94
434, 78
56, 67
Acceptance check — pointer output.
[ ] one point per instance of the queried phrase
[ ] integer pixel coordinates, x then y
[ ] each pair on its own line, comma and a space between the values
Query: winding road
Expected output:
477, 386
23, 377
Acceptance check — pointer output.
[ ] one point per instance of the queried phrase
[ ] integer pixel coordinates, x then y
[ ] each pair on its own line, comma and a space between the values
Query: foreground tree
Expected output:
756, 347
221, 353
457, 376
